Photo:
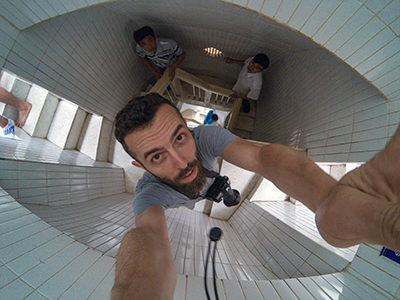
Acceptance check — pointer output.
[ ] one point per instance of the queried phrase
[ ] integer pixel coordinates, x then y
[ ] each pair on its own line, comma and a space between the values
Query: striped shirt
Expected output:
167, 51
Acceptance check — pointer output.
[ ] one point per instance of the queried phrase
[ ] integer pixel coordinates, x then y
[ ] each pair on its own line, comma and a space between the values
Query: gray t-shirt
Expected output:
210, 142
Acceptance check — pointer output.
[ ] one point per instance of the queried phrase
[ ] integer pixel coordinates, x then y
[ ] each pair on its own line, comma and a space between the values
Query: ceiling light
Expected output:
213, 52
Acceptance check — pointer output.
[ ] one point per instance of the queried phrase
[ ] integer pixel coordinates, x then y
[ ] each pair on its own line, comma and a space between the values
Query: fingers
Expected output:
349, 217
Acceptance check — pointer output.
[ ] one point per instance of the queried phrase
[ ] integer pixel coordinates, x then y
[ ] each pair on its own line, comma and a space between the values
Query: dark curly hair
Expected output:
141, 33
137, 114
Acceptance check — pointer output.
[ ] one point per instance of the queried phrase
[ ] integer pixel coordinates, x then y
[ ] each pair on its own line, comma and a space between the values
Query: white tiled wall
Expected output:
24, 14
85, 56
39, 262
56, 184
340, 117
289, 249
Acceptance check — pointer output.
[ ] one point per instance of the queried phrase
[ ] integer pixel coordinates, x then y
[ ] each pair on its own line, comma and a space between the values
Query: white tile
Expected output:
286, 9
180, 289
6, 276
232, 290
320, 15
283, 289
15, 290
39, 254
373, 45
344, 290
270, 7
328, 289
354, 285
40, 274
17, 249
250, 290
390, 12
255, 4
104, 287
361, 269
18, 234
35, 296
60, 282
313, 289
336, 20
355, 23
298, 289
365, 34
376, 5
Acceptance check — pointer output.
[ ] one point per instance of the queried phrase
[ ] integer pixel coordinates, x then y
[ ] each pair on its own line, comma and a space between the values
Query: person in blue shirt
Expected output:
210, 118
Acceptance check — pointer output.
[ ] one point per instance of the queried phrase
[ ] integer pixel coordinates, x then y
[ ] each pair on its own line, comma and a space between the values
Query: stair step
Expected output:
61, 125
44, 106
95, 137
46, 116
104, 141
76, 129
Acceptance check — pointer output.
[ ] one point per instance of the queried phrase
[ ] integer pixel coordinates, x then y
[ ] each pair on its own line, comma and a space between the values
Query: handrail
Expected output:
189, 78
162, 84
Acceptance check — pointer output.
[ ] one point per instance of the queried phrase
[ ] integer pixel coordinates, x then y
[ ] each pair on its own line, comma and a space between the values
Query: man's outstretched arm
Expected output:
145, 267
290, 170
363, 207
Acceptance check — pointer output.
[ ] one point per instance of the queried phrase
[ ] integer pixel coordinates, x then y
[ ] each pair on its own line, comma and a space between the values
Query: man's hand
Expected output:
171, 72
145, 266
238, 95
364, 207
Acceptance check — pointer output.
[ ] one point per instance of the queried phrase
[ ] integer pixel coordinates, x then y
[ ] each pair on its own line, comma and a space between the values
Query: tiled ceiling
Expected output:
236, 31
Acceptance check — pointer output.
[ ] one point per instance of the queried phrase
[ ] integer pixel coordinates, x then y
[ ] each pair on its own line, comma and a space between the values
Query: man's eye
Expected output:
156, 157
180, 137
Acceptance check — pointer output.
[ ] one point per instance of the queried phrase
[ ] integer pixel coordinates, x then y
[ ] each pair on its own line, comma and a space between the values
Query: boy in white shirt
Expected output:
249, 83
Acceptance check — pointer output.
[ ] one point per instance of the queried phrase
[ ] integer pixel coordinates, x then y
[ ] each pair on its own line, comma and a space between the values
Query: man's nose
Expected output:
179, 160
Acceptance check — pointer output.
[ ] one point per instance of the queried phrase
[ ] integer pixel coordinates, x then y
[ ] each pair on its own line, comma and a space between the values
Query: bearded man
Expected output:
363, 207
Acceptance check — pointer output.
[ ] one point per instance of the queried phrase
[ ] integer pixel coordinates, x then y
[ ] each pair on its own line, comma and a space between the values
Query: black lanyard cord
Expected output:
215, 235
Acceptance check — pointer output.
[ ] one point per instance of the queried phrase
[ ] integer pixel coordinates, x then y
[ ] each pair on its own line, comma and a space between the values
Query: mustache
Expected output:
183, 172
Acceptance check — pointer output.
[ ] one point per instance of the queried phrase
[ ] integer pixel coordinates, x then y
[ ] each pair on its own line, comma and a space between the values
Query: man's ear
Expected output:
137, 164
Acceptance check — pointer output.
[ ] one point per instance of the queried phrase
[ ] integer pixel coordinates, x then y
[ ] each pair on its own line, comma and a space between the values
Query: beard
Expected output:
190, 189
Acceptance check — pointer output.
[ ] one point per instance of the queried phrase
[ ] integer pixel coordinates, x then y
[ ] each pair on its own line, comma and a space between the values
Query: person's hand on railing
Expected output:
171, 72
237, 95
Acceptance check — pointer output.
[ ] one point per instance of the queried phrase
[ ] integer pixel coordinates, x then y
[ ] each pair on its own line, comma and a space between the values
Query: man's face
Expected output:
166, 149
149, 44
253, 67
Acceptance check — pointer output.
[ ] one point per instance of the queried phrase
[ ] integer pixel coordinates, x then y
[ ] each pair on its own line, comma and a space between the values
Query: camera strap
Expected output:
210, 174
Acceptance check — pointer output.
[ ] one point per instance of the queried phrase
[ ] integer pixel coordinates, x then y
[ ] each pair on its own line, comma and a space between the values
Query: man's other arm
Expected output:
153, 70
290, 170
363, 207
171, 69
230, 60
145, 266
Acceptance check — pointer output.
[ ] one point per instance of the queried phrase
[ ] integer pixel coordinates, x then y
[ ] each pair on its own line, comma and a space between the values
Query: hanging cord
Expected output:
213, 263
205, 271
215, 235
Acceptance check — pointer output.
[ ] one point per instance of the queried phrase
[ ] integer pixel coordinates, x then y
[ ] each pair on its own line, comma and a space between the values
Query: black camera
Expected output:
221, 190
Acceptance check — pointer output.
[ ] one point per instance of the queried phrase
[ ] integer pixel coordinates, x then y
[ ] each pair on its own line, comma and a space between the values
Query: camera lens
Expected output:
233, 198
